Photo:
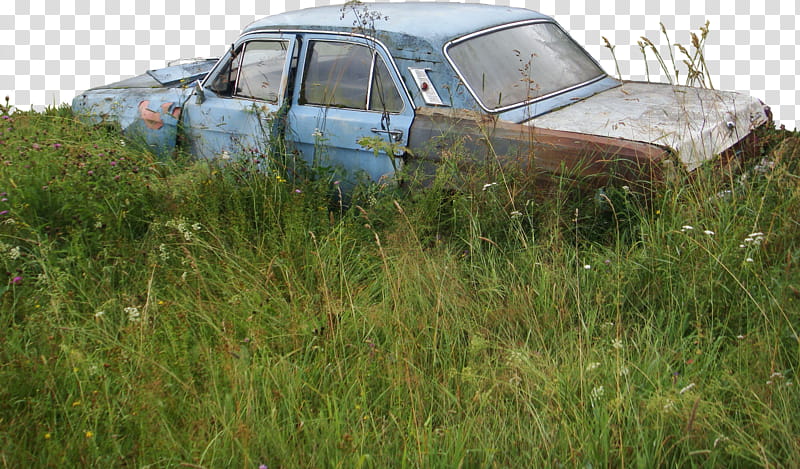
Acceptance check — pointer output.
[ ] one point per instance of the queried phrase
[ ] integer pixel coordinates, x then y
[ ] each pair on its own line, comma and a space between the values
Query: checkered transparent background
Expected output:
52, 49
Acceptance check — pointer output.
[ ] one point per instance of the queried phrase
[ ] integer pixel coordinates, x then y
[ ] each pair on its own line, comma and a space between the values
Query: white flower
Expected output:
225, 155
687, 388
593, 365
316, 133
133, 313
587, 267
99, 314
597, 392
516, 214
687, 228
740, 336
709, 232
669, 405
623, 370
486, 186
749, 259
14, 253
197, 227
121, 142
617, 344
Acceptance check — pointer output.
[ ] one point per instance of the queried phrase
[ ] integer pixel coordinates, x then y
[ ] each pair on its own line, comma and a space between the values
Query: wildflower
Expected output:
121, 142
298, 191
316, 133
36, 146
749, 259
336, 183
607, 262
741, 336
626, 189
262, 466
16, 280
225, 155
90, 172
623, 370
587, 267
598, 392
4, 212
669, 405
76, 403
592, 366
617, 344
112, 163
709, 232
99, 314
14, 253
487, 186
197, 226
89, 434
57, 146
133, 313
685, 228
47, 436
686, 388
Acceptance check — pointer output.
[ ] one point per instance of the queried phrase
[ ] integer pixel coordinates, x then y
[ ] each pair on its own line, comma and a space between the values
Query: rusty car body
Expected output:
418, 77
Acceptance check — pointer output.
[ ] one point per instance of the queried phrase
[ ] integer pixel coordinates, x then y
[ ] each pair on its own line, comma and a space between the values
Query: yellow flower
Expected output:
47, 436
89, 434
76, 403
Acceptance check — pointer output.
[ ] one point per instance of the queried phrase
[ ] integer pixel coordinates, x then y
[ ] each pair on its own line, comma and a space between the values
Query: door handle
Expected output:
395, 135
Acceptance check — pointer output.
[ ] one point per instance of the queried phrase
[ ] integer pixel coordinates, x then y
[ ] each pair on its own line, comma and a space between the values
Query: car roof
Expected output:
433, 22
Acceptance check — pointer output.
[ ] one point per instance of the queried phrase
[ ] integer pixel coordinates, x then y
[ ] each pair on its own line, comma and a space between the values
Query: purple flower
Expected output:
113, 163
90, 172
298, 191
57, 146
16, 280
36, 146
3, 213
263, 466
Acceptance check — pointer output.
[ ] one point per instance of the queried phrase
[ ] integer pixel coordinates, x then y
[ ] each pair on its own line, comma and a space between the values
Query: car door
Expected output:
236, 111
348, 88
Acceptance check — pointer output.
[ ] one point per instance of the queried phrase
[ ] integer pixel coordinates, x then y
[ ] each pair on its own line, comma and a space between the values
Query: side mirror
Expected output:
200, 92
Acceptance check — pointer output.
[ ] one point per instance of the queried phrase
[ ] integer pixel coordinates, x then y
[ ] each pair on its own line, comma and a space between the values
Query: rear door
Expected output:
349, 89
238, 111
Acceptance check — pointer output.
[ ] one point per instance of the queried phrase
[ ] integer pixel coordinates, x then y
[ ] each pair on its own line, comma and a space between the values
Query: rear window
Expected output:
507, 67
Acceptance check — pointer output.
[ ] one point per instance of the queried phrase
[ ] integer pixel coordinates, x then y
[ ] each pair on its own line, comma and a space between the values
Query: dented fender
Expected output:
147, 115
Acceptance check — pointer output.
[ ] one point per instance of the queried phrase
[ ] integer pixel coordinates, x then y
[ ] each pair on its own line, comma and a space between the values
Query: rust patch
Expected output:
151, 119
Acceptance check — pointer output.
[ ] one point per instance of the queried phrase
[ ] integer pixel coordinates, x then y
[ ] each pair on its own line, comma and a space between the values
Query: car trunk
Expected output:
695, 123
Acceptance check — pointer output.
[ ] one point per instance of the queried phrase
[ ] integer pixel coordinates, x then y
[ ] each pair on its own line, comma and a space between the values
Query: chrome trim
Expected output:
452, 42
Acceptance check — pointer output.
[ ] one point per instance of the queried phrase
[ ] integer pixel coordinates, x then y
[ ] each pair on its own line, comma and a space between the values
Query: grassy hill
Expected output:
183, 314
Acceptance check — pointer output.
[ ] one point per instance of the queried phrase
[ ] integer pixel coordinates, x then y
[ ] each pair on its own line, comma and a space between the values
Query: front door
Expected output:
236, 114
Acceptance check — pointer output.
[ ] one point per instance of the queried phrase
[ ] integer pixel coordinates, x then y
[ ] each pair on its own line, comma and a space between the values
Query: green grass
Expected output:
179, 314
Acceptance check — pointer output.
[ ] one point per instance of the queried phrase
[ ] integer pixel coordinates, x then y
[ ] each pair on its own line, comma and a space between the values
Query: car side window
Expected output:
224, 83
261, 70
348, 75
254, 71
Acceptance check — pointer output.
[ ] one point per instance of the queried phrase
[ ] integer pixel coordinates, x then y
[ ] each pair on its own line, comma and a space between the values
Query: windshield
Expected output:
515, 65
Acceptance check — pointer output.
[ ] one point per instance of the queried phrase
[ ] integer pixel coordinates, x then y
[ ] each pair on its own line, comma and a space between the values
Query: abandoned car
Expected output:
373, 88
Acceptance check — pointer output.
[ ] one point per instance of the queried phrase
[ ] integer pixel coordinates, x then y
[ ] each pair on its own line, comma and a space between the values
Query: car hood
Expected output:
695, 123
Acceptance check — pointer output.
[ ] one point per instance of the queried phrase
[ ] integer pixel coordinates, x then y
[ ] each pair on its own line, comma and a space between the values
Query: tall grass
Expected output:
179, 313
